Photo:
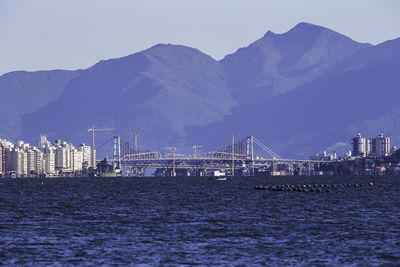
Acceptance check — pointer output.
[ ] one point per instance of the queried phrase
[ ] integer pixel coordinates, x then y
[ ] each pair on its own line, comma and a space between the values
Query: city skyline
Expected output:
47, 159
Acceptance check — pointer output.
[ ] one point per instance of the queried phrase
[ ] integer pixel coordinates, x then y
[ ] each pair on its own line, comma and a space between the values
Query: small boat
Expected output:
221, 178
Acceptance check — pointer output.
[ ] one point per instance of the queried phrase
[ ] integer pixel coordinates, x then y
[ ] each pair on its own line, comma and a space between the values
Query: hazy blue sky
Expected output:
71, 34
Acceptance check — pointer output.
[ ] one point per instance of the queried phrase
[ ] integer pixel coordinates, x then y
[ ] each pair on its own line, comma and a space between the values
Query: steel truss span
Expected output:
246, 155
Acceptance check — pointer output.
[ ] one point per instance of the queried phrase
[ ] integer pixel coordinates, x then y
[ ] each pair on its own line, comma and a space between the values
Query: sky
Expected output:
75, 34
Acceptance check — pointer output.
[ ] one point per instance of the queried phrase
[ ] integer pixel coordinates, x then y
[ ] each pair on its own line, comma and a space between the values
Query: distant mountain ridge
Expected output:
24, 92
278, 63
299, 92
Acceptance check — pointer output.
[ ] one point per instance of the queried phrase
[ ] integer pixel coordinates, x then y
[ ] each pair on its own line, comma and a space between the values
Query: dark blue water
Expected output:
197, 221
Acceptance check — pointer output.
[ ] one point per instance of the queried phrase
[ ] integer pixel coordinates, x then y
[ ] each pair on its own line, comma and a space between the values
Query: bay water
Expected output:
199, 221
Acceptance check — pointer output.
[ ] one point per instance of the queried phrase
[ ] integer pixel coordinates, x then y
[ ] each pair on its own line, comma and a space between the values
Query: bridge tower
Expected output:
250, 151
117, 153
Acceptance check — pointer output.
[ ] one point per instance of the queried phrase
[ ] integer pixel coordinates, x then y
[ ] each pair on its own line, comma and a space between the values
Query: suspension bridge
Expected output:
248, 156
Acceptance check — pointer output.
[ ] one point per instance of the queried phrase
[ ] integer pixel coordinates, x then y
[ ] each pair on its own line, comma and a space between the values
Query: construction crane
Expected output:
173, 160
195, 147
93, 130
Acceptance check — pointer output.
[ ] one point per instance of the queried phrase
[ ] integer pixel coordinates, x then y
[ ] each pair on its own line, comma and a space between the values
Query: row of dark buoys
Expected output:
306, 187
291, 188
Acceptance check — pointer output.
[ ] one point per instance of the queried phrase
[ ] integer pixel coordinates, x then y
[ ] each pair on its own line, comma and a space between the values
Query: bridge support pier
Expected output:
137, 171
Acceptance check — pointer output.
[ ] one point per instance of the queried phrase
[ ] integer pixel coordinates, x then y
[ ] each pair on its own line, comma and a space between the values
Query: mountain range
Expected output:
300, 92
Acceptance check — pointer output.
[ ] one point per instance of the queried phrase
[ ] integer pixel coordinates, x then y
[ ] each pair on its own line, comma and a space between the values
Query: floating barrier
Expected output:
306, 187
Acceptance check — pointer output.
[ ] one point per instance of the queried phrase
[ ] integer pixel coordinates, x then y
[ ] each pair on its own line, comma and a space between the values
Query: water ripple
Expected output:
198, 221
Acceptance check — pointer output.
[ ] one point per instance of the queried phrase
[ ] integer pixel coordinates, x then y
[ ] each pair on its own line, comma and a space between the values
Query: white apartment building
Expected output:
24, 163
49, 161
43, 143
31, 164
17, 161
39, 161
48, 155
4, 146
14, 161
86, 155
34, 161
76, 159
63, 158
378, 146
381, 145
361, 146
68, 158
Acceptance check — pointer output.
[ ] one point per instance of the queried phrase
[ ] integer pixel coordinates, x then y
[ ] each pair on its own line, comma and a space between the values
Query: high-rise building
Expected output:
13, 161
31, 164
34, 161
4, 146
39, 161
68, 158
49, 161
381, 145
86, 155
361, 146
43, 143
76, 159
24, 162
62, 158
17, 161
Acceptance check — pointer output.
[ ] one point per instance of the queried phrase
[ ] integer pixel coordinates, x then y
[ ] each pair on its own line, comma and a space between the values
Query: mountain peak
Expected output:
303, 28
307, 25
163, 45
269, 34
171, 47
